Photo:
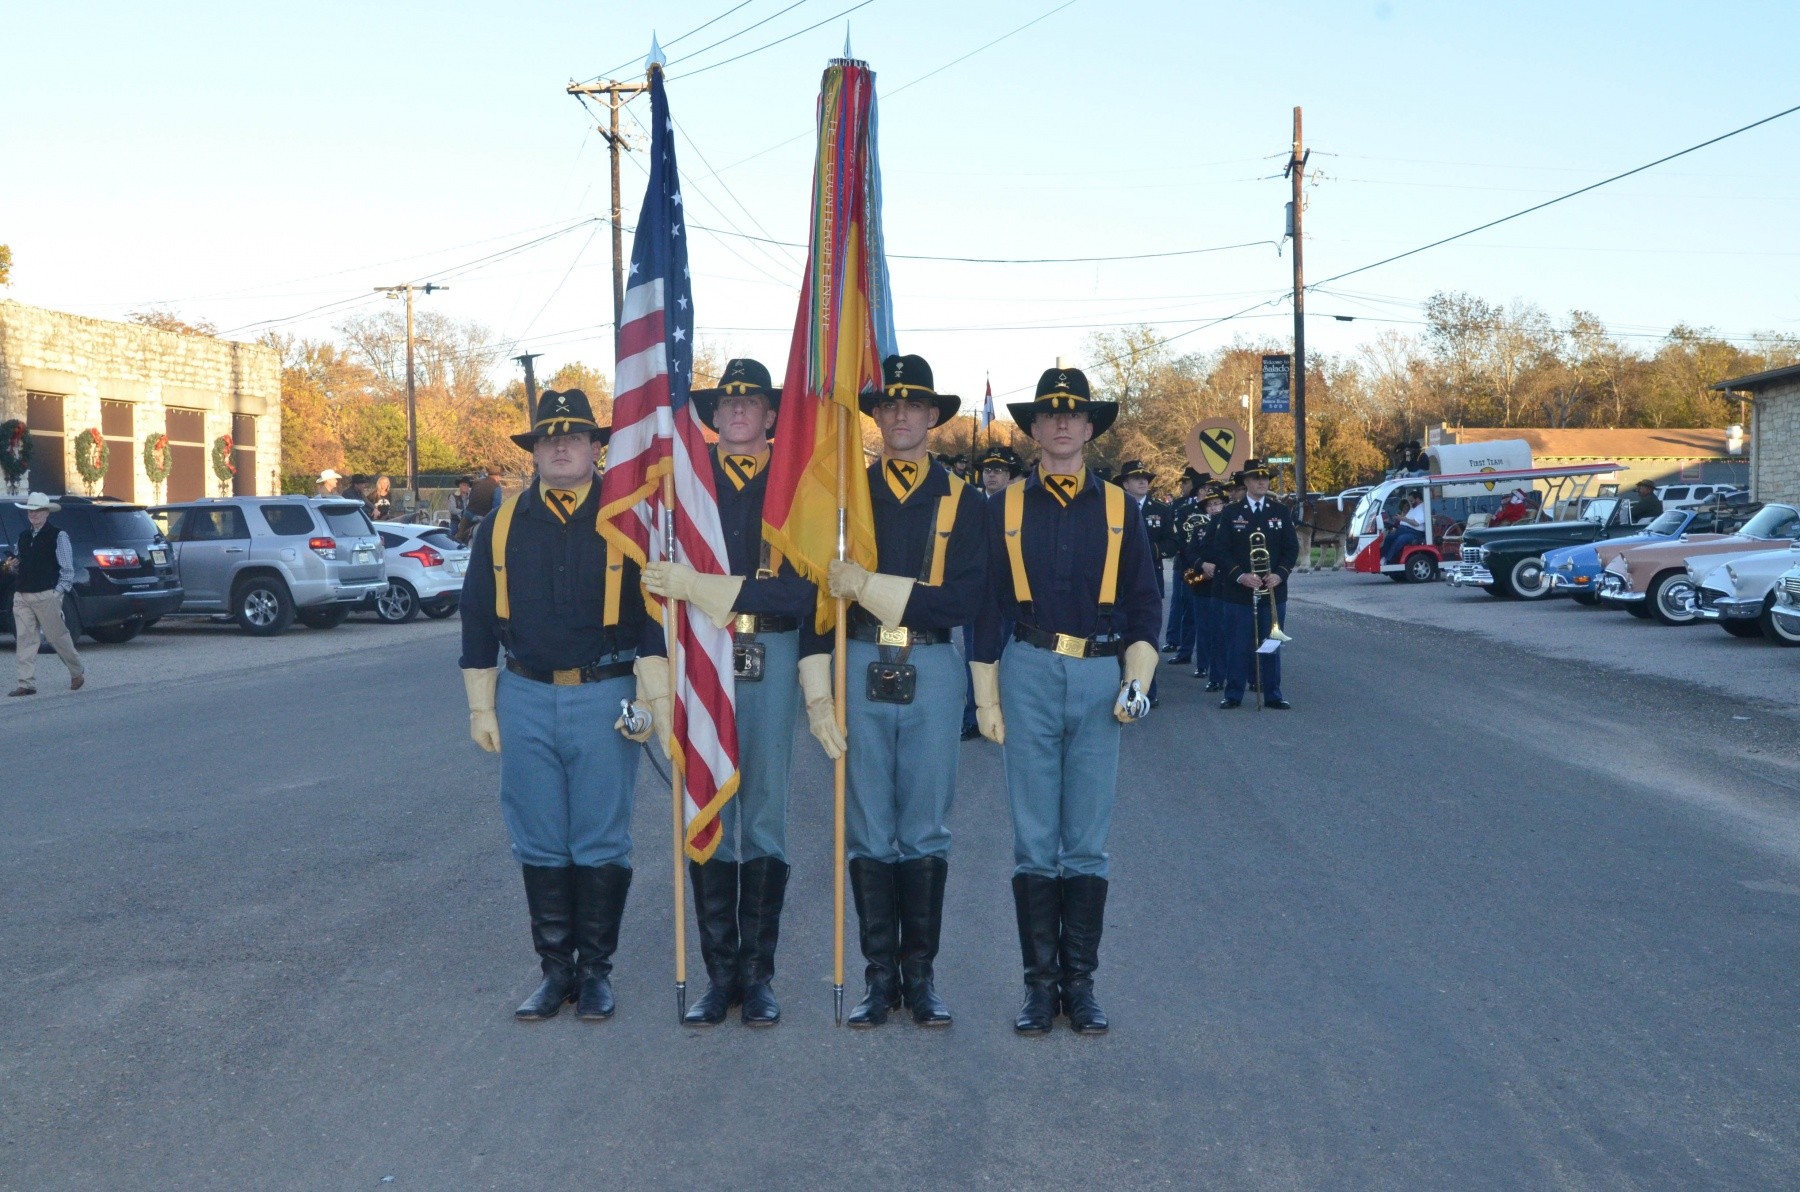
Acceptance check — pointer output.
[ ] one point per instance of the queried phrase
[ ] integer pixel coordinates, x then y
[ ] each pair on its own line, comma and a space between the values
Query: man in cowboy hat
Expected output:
577, 645
1192, 561
905, 675
1245, 618
43, 573
1178, 636
328, 482
1072, 566
738, 895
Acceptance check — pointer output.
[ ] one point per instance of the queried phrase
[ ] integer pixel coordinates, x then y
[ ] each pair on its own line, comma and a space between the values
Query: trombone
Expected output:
1261, 565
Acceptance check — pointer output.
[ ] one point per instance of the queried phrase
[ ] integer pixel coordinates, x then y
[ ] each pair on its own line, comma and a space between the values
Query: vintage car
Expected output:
1738, 592
1652, 580
1784, 613
1575, 570
1509, 560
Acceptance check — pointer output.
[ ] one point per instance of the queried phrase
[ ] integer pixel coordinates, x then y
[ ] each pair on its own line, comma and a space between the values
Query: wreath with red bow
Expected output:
15, 451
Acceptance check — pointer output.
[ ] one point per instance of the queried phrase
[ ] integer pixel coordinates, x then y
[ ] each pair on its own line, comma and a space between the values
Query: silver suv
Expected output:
271, 560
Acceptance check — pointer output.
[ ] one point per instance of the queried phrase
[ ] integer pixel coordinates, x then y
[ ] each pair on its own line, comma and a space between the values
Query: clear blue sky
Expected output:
243, 163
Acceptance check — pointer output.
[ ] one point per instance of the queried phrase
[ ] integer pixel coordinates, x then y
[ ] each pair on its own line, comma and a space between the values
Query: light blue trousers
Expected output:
754, 821
566, 775
1062, 758
902, 767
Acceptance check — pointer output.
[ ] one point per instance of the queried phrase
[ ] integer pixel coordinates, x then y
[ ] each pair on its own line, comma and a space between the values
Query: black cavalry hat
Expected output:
742, 378
1000, 456
1065, 390
1253, 467
1211, 492
910, 377
562, 413
1135, 467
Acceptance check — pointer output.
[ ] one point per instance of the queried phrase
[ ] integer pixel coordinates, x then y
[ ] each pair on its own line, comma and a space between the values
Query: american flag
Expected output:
656, 434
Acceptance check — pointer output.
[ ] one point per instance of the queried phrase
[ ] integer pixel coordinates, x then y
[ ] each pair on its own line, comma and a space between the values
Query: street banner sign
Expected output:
1276, 373
1217, 446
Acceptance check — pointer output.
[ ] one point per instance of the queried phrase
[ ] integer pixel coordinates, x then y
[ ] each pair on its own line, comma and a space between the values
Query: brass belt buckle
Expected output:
745, 624
567, 678
898, 638
1071, 647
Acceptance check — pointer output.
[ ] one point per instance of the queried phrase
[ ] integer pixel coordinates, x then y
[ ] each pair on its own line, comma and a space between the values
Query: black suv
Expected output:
124, 570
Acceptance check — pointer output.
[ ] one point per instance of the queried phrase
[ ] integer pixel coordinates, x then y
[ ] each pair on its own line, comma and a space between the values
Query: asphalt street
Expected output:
1468, 917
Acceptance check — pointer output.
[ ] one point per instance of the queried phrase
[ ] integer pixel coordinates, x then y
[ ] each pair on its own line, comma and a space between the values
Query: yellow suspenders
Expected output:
946, 522
615, 567
1014, 514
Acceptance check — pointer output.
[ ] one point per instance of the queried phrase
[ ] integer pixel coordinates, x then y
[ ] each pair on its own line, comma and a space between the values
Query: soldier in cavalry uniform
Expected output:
571, 622
739, 893
1073, 569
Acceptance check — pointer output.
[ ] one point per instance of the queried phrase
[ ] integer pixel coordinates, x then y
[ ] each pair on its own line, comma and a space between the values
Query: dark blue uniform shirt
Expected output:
556, 584
902, 532
786, 594
1065, 555
1227, 546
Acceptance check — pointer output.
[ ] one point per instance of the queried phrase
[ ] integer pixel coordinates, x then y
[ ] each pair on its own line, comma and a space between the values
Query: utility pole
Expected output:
530, 383
616, 96
412, 403
1296, 171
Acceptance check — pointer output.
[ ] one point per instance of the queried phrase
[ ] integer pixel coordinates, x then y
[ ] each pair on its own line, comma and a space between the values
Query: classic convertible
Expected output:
1737, 592
1510, 560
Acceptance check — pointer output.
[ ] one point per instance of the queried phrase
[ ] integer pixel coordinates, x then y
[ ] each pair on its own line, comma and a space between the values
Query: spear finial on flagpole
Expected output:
656, 58
847, 54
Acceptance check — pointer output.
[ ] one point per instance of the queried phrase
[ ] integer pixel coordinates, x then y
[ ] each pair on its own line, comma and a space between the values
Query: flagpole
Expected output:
677, 774
840, 700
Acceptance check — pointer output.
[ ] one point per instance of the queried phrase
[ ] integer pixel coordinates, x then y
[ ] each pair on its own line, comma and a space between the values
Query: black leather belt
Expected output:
883, 636
750, 624
1066, 644
594, 672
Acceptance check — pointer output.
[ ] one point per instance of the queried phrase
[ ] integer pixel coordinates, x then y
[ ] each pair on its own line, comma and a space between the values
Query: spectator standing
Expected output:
43, 572
380, 503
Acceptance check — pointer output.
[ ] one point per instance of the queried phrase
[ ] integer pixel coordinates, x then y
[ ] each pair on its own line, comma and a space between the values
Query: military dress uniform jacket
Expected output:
1065, 555
556, 582
1227, 546
1159, 523
902, 534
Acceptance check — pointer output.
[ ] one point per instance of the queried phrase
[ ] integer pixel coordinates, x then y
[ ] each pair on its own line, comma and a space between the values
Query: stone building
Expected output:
1775, 427
65, 375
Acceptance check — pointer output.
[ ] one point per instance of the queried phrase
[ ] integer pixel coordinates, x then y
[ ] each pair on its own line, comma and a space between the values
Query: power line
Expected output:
1141, 256
1559, 199
715, 45
771, 45
636, 58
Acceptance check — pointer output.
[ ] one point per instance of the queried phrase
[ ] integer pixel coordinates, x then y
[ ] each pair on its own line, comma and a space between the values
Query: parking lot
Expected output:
1701, 654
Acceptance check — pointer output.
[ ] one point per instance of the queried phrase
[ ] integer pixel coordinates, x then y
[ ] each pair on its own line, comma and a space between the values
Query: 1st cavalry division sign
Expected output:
1217, 447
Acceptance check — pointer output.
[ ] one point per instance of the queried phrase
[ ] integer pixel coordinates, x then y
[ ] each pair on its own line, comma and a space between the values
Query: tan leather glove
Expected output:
883, 595
1140, 668
986, 677
484, 726
653, 697
711, 594
821, 709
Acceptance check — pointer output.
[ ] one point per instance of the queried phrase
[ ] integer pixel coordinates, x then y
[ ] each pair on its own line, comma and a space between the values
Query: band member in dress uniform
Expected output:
577, 644
1178, 636
738, 895
1072, 567
1228, 548
1198, 571
1135, 477
996, 467
905, 674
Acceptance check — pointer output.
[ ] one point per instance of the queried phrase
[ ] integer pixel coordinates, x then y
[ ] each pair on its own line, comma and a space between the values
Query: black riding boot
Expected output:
716, 907
1038, 903
1083, 912
550, 897
875, 887
599, 905
921, 921
759, 930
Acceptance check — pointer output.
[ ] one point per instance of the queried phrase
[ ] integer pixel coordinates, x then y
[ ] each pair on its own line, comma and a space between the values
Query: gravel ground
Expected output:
1701, 654
178, 649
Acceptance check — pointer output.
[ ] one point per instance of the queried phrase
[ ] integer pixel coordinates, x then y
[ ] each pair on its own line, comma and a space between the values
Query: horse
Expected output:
1323, 522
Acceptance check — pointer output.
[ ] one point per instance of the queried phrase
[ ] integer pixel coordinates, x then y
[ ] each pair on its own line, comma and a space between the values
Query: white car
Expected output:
425, 568
1784, 611
1682, 496
1738, 592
